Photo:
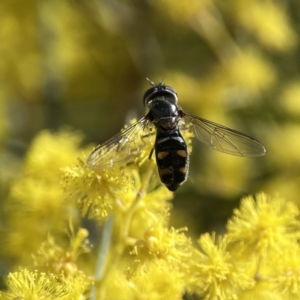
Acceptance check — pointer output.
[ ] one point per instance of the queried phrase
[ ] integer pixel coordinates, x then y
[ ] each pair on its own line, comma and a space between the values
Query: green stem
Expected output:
117, 251
134, 205
103, 253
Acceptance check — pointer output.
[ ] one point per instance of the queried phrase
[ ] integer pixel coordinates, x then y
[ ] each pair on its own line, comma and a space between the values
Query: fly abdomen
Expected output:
172, 158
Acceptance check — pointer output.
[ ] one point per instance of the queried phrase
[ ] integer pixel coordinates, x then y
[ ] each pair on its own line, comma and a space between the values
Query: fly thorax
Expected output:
163, 113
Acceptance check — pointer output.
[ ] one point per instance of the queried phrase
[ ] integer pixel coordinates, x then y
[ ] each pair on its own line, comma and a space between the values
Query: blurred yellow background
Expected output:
83, 64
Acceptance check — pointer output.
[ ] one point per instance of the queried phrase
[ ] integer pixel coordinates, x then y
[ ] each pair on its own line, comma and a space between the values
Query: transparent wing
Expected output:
124, 147
222, 138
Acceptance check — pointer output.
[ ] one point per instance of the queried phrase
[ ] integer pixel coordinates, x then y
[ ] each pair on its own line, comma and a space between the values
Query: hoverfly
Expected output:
165, 117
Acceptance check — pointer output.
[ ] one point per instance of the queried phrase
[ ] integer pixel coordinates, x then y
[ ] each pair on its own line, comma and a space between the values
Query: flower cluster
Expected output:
139, 255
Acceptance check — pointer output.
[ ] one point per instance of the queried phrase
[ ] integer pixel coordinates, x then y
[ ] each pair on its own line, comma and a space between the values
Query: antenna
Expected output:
150, 81
161, 83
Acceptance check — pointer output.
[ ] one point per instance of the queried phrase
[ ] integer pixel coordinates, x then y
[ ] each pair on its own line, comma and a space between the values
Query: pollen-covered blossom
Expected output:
154, 208
101, 191
264, 225
214, 273
57, 259
160, 264
160, 242
286, 280
156, 282
42, 286
35, 204
258, 257
265, 231
97, 193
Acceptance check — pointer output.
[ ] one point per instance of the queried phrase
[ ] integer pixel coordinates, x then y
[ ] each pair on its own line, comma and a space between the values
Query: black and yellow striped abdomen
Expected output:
172, 157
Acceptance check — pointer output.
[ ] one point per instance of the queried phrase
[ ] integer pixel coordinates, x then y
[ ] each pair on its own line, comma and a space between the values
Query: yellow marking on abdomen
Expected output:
165, 171
181, 153
182, 170
162, 154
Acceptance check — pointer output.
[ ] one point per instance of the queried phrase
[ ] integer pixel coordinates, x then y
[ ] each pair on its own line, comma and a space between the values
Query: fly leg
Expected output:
151, 152
147, 136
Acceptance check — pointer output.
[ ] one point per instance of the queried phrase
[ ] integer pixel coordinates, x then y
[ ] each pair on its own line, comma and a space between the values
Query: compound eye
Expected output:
149, 95
161, 91
170, 89
172, 94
